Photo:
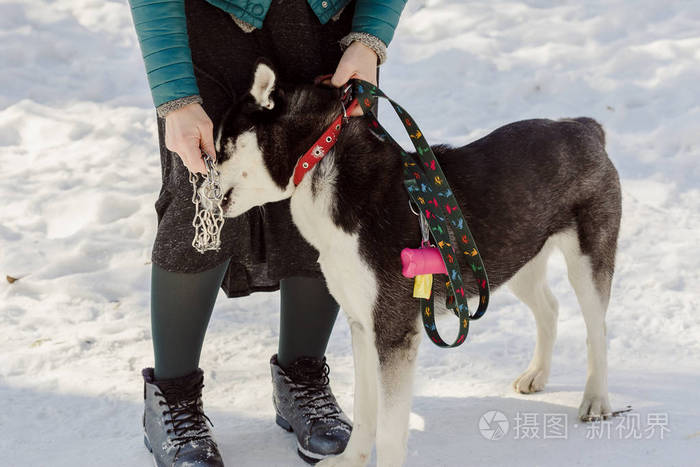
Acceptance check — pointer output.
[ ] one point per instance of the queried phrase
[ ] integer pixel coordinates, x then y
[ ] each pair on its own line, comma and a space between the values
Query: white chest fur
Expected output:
351, 281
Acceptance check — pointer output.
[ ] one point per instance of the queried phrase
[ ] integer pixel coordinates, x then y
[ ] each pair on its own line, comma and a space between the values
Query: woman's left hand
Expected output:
358, 61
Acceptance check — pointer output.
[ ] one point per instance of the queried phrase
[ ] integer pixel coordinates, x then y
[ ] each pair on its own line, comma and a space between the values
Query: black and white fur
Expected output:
524, 189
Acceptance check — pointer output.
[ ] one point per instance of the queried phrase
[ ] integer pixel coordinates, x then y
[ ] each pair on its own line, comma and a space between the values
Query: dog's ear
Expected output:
264, 80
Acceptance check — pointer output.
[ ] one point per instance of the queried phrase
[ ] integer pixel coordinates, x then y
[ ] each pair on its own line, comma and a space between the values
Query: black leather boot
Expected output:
306, 405
175, 427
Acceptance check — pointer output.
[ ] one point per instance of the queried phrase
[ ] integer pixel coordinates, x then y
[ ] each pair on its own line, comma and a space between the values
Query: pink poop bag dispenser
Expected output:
418, 261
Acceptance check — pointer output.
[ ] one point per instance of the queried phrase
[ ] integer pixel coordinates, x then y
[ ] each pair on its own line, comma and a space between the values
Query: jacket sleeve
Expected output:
162, 32
378, 18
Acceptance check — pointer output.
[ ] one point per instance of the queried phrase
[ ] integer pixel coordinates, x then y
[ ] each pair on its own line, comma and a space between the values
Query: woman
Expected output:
199, 57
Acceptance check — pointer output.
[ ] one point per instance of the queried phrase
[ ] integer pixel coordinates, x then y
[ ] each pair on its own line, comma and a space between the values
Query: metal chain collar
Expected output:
209, 216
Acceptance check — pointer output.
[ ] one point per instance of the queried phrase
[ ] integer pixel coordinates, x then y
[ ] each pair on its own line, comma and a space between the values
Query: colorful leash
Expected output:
428, 189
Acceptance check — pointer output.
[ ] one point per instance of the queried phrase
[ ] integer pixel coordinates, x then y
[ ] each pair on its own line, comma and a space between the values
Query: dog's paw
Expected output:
594, 407
344, 460
532, 380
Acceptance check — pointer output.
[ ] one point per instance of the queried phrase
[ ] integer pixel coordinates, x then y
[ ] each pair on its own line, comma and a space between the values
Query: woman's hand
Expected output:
358, 61
188, 129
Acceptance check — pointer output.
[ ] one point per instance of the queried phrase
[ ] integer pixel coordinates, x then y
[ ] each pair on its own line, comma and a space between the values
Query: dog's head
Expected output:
260, 139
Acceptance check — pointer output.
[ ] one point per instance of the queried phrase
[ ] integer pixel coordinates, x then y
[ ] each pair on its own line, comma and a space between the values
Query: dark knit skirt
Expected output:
264, 245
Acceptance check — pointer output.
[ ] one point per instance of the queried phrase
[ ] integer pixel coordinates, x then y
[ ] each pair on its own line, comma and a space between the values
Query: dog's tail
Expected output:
594, 126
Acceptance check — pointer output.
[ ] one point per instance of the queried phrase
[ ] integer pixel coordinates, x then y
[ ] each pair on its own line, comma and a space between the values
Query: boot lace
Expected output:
308, 382
186, 413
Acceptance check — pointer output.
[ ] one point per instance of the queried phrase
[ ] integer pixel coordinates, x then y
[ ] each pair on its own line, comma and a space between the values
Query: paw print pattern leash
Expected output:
428, 189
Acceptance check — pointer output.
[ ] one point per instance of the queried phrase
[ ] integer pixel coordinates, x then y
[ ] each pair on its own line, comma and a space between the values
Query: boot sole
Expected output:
284, 424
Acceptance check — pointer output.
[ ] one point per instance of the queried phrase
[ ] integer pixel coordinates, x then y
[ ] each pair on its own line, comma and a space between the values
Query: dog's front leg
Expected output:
364, 422
396, 371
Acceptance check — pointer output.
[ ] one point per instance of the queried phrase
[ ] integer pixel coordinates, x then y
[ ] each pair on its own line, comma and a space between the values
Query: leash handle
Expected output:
424, 179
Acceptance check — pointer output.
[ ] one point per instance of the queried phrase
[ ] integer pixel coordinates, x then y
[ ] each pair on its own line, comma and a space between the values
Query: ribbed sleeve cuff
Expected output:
164, 109
373, 42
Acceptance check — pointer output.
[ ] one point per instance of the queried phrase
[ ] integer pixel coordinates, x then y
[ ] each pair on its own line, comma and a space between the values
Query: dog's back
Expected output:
532, 179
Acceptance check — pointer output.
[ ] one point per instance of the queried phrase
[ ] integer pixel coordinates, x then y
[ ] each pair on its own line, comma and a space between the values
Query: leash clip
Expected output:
424, 227
346, 93
345, 112
425, 232
345, 99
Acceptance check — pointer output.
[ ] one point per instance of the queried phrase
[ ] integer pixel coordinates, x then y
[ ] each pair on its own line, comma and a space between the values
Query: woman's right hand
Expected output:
188, 129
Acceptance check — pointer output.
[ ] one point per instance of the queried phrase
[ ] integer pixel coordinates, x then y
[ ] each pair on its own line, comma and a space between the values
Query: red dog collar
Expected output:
324, 144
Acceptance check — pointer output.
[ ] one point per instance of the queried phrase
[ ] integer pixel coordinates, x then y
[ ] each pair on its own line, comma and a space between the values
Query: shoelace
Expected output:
308, 382
187, 417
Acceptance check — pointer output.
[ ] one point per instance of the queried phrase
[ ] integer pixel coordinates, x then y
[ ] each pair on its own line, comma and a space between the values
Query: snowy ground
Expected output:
80, 173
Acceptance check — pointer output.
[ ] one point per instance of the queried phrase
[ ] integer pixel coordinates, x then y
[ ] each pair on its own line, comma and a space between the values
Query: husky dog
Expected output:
524, 189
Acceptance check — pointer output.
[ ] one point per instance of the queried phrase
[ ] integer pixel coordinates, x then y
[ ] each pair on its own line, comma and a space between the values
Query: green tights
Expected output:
182, 303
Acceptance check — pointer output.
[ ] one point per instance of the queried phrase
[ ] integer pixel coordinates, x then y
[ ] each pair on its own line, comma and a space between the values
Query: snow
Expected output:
80, 174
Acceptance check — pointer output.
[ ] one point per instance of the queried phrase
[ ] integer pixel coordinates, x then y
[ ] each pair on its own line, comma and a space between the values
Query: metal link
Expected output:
425, 232
424, 227
209, 216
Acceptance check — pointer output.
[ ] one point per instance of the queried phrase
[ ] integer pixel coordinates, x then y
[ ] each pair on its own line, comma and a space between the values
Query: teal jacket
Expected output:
162, 32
